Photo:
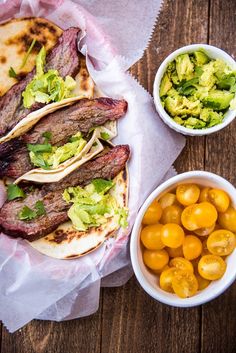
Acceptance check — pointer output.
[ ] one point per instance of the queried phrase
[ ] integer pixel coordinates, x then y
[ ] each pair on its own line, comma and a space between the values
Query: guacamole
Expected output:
196, 91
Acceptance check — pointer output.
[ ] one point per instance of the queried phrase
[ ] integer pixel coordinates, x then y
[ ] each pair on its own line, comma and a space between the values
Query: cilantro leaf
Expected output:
26, 214
39, 207
12, 73
47, 135
14, 191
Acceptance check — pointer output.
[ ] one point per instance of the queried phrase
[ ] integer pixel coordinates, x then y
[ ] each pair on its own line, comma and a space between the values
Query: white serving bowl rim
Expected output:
216, 287
213, 52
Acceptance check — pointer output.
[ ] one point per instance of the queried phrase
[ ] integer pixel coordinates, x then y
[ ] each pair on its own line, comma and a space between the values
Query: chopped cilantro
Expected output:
12, 73
26, 214
40, 210
47, 135
14, 191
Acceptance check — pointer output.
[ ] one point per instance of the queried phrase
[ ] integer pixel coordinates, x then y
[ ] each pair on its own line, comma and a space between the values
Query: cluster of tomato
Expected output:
186, 235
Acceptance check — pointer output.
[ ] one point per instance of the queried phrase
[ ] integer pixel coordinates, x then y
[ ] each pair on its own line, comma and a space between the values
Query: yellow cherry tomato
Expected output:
172, 235
192, 247
175, 252
153, 213
184, 284
221, 242
155, 259
205, 214
202, 282
188, 219
171, 214
181, 263
227, 219
151, 237
166, 278
219, 198
158, 272
204, 195
211, 267
205, 250
187, 194
202, 232
167, 199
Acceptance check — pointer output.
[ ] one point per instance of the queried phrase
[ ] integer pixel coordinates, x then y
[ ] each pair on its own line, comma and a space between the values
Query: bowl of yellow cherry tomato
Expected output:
184, 238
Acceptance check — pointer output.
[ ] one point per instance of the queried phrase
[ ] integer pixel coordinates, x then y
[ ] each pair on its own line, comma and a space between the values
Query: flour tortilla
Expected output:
68, 243
16, 36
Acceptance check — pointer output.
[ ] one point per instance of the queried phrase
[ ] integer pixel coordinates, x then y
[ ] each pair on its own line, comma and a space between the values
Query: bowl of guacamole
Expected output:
195, 89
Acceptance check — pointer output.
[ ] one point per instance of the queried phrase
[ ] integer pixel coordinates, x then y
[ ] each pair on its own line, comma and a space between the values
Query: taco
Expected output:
72, 217
59, 78
61, 140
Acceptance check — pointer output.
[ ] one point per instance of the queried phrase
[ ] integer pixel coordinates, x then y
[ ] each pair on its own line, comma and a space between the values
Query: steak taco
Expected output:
61, 141
59, 77
71, 217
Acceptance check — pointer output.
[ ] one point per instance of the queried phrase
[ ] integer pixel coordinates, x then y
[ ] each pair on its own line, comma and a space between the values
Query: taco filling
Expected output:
59, 137
51, 81
84, 197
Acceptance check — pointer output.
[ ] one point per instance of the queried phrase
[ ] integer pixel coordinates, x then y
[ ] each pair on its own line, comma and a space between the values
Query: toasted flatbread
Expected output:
16, 37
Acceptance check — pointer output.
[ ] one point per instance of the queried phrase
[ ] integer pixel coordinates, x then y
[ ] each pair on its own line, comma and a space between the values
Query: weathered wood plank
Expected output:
132, 321
219, 316
76, 336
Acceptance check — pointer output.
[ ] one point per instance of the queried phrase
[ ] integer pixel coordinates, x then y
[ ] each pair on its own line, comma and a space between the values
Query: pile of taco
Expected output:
67, 185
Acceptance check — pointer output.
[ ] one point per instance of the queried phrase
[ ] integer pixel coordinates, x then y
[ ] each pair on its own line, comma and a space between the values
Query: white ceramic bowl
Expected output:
212, 52
149, 281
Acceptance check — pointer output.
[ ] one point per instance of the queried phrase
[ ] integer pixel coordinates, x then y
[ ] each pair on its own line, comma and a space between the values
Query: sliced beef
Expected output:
63, 57
81, 116
106, 166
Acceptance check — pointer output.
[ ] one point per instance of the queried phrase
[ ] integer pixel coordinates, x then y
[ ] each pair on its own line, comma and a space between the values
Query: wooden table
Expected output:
128, 320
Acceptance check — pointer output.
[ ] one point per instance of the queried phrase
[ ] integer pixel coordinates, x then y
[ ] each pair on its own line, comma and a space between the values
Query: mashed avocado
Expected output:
196, 91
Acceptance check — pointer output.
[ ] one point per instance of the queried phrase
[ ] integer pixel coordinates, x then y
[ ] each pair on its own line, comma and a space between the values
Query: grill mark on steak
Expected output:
63, 57
106, 166
81, 116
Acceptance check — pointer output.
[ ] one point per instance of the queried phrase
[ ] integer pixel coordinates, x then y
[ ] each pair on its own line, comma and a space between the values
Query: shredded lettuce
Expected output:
93, 205
48, 86
47, 156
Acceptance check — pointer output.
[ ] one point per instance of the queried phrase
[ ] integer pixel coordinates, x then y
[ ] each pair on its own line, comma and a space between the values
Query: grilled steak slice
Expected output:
106, 166
81, 116
63, 57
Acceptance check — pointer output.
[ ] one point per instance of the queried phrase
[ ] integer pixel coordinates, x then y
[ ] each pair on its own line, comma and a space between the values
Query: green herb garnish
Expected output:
28, 53
40, 210
14, 191
47, 135
12, 73
26, 213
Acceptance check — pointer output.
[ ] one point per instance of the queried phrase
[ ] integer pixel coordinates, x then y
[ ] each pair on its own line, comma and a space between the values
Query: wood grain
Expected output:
219, 316
132, 322
128, 320
74, 336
